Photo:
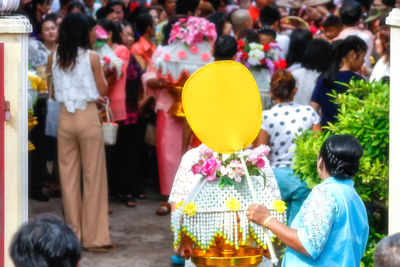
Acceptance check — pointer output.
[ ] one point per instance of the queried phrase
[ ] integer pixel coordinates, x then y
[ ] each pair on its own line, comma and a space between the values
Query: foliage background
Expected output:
363, 113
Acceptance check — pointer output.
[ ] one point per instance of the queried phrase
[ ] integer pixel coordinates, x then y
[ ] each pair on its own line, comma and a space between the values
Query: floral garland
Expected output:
260, 56
228, 167
192, 31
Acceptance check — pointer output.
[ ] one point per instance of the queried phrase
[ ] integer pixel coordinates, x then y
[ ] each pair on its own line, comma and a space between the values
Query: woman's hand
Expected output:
111, 76
156, 83
103, 100
257, 213
185, 249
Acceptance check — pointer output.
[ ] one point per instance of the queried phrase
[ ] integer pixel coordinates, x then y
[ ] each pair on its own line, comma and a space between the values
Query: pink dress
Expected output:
168, 131
117, 93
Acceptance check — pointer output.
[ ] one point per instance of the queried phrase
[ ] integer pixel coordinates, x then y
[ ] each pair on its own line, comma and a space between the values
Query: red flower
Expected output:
280, 64
266, 47
240, 43
263, 61
244, 56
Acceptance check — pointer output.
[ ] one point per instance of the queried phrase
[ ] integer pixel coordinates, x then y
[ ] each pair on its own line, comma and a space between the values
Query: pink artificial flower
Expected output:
205, 57
101, 33
182, 54
210, 168
167, 57
205, 152
196, 168
194, 49
260, 163
238, 179
106, 60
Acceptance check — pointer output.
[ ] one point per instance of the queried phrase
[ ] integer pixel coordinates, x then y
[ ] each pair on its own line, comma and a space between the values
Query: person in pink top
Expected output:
144, 48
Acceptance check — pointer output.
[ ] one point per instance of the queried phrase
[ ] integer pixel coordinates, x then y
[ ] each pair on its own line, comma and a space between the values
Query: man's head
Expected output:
186, 7
106, 12
350, 13
241, 19
387, 252
118, 7
332, 26
225, 48
46, 241
270, 17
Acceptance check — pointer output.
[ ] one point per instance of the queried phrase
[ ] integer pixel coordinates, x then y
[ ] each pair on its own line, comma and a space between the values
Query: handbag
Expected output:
110, 128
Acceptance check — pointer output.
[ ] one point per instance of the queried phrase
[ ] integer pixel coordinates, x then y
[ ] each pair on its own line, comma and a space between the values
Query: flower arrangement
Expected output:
228, 167
260, 56
192, 31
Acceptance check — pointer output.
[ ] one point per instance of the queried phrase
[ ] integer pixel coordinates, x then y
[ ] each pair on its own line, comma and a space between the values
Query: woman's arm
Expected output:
259, 213
262, 139
317, 127
316, 106
50, 86
98, 73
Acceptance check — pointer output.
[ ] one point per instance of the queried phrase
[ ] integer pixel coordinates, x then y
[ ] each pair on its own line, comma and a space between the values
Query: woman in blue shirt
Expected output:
331, 228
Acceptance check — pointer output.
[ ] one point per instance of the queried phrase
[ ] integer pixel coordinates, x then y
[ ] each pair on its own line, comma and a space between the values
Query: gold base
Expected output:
244, 261
32, 122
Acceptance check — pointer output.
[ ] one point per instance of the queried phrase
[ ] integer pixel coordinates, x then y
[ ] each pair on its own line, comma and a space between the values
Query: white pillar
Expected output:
14, 30
394, 154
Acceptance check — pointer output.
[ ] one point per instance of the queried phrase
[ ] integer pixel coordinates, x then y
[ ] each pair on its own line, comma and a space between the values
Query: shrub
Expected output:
363, 113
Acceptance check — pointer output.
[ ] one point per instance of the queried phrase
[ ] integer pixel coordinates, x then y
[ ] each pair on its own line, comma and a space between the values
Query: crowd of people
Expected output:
107, 55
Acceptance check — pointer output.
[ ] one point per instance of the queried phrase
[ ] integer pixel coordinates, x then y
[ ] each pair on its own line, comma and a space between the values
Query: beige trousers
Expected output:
81, 151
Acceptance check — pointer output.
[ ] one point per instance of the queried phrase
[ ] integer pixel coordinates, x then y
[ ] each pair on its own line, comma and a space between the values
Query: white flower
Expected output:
255, 56
255, 46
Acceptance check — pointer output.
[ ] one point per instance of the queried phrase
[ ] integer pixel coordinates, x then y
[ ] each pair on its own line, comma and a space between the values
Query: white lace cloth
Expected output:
74, 88
185, 182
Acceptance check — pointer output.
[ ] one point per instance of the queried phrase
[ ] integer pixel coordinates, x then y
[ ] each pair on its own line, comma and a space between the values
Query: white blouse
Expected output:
75, 87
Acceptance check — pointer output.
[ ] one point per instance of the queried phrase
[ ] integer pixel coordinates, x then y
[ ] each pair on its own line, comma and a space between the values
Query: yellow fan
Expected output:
222, 105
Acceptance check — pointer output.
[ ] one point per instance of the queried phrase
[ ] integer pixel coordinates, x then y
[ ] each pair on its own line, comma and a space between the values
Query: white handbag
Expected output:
110, 128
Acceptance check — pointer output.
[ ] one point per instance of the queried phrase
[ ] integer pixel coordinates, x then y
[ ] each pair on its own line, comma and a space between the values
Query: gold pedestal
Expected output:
32, 122
222, 254
177, 108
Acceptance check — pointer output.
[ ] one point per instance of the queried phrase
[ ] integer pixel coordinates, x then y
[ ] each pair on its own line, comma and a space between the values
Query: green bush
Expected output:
363, 113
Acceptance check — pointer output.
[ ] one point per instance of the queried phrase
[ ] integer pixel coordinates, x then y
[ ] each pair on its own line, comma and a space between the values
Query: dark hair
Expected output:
350, 12
73, 33
114, 27
46, 241
219, 19
341, 155
167, 29
143, 21
340, 50
92, 22
64, 2
225, 48
249, 35
282, 85
389, 3
116, 3
387, 252
185, 6
299, 39
318, 55
103, 12
269, 15
267, 31
76, 4
332, 21
216, 3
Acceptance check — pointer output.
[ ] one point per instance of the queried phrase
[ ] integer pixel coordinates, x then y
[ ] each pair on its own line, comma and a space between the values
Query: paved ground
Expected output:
144, 238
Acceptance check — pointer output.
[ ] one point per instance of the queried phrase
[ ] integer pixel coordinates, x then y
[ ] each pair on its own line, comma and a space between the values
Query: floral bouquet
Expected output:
260, 56
228, 167
193, 30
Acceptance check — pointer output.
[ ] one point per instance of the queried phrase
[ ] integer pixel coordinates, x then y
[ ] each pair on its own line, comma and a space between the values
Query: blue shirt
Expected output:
332, 225
329, 109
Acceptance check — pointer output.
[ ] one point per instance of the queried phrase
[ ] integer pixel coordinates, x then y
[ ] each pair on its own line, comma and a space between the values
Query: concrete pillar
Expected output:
14, 30
394, 154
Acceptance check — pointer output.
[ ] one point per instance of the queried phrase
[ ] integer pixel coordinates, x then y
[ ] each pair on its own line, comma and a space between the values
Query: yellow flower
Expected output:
179, 204
279, 206
190, 208
233, 204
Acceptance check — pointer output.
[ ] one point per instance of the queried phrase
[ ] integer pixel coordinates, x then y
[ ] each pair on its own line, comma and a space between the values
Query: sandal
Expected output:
141, 196
164, 209
129, 201
106, 248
